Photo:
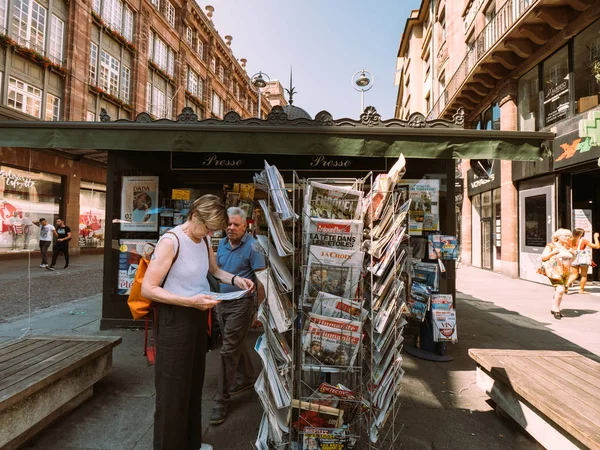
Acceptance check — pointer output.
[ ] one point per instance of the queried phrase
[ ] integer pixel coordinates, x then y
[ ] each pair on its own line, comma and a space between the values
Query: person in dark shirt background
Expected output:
62, 243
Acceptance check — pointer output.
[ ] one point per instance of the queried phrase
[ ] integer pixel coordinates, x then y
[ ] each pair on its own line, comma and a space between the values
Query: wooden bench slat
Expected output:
41, 354
589, 382
476, 353
35, 377
571, 385
508, 371
27, 354
7, 349
586, 365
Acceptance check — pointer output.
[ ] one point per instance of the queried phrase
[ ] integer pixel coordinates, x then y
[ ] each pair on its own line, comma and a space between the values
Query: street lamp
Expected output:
259, 82
362, 81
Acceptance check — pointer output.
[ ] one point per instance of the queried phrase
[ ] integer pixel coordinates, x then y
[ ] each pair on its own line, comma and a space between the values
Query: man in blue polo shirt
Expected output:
240, 254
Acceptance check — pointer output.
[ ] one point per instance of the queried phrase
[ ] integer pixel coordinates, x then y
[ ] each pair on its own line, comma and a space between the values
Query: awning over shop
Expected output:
369, 137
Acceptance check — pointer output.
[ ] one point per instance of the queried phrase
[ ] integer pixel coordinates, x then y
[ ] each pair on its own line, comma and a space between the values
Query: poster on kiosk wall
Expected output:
139, 203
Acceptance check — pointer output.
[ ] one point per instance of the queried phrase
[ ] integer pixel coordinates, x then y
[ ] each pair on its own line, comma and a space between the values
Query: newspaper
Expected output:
282, 243
278, 382
391, 304
280, 306
277, 343
391, 233
229, 295
333, 306
327, 201
277, 418
271, 181
444, 325
342, 398
382, 187
329, 344
332, 271
344, 234
283, 277
262, 440
325, 438
424, 208
392, 254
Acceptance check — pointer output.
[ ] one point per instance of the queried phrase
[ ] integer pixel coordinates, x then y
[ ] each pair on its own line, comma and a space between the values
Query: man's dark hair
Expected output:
42, 219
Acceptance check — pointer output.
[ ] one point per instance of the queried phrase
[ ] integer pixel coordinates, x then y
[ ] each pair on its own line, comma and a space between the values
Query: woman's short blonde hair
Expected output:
210, 210
562, 232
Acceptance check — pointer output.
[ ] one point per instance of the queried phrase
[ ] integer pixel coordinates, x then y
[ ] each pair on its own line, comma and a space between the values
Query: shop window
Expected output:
25, 197
491, 118
535, 221
92, 207
24, 97
587, 68
556, 87
52, 108
56, 39
3, 5
29, 24
528, 100
486, 204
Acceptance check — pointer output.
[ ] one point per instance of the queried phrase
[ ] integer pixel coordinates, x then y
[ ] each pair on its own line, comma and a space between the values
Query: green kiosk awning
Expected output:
368, 137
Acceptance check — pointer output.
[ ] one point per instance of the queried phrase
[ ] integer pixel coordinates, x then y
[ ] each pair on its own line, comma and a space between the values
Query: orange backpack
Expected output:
138, 304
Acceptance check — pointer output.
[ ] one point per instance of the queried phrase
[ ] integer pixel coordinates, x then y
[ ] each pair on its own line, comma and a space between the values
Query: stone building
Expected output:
528, 65
68, 60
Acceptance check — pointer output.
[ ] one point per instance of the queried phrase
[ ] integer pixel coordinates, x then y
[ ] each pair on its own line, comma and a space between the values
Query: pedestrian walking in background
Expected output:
63, 233
47, 232
556, 265
240, 254
176, 280
583, 257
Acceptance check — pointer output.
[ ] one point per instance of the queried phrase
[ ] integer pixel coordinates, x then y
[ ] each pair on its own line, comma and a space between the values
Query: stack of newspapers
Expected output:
387, 283
276, 313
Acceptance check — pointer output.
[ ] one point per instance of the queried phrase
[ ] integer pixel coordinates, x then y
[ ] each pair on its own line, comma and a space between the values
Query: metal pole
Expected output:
259, 110
362, 101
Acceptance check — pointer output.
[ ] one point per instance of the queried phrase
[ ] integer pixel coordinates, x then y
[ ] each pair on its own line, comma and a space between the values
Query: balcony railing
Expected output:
495, 30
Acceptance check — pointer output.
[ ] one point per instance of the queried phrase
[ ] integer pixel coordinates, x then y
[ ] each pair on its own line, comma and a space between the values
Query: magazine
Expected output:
342, 398
344, 234
424, 209
139, 203
277, 343
444, 325
283, 245
307, 414
383, 185
327, 201
330, 345
441, 301
280, 306
434, 244
389, 231
332, 271
428, 274
130, 253
333, 306
325, 439
449, 247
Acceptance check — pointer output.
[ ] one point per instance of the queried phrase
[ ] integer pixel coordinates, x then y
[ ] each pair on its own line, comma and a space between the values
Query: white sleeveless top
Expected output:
188, 274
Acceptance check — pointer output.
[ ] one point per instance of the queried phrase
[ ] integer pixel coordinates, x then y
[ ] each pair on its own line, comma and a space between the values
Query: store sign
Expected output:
256, 163
556, 102
15, 180
571, 148
477, 185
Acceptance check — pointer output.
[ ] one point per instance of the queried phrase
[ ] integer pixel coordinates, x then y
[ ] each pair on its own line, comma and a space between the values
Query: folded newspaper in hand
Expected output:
229, 295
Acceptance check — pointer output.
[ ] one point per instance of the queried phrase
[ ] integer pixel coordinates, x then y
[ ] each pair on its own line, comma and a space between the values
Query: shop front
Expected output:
486, 226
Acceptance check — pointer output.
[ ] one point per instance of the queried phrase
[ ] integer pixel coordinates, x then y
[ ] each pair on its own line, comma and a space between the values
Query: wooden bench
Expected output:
44, 377
553, 395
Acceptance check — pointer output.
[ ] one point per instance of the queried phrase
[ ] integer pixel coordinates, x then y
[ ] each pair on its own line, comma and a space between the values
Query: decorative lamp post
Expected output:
259, 82
363, 81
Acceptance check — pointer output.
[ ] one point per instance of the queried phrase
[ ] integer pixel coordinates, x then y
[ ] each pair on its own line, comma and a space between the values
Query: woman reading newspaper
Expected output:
176, 280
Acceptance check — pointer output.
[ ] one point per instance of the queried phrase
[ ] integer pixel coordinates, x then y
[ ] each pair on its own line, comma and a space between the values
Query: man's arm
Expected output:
67, 237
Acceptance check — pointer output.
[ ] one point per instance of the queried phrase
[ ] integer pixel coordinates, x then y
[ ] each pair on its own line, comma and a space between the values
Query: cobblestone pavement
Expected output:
83, 278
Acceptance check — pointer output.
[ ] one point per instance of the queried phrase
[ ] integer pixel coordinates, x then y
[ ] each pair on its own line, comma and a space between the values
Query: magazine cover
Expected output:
335, 345
444, 325
327, 201
337, 307
314, 415
449, 247
427, 273
435, 246
130, 253
325, 439
424, 208
342, 398
441, 301
333, 271
344, 234
139, 203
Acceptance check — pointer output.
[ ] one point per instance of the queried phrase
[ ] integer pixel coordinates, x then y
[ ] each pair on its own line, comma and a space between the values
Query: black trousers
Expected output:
181, 340
60, 247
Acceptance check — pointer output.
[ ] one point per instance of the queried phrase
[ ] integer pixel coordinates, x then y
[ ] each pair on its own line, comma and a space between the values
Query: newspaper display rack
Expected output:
333, 325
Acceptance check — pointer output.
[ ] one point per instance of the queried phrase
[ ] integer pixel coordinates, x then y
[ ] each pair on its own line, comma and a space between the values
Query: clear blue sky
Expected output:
326, 41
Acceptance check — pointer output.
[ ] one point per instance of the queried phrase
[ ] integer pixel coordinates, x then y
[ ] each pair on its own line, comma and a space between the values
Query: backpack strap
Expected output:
174, 258
205, 239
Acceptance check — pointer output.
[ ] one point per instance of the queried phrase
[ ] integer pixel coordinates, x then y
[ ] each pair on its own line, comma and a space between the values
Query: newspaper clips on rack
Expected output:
330, 345
332, 271
282, 243
271, 181
280, 306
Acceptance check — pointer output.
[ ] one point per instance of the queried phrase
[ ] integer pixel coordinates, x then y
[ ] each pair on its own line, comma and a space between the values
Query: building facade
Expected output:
69, 60
528, 65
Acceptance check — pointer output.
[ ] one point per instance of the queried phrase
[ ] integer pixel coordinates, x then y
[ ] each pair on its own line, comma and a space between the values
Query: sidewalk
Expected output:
441, 406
